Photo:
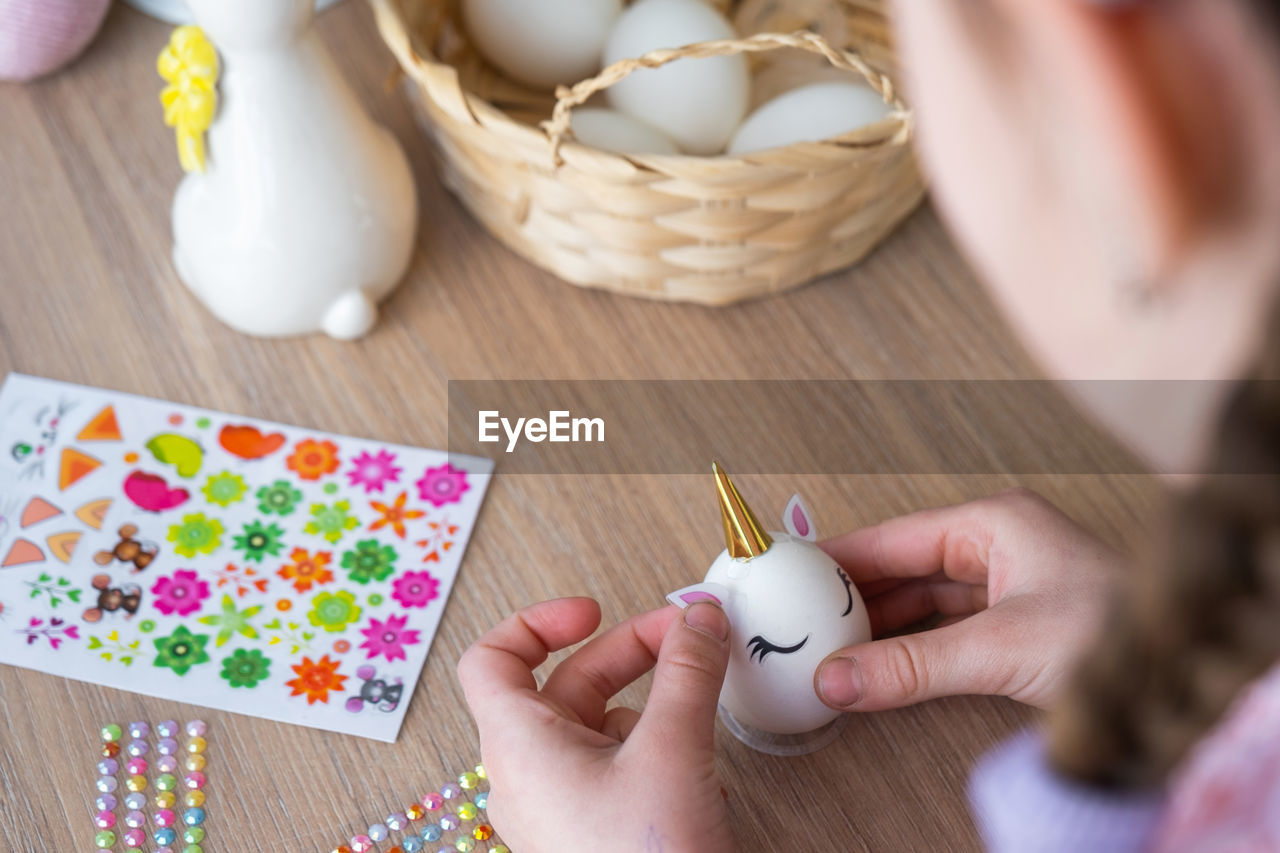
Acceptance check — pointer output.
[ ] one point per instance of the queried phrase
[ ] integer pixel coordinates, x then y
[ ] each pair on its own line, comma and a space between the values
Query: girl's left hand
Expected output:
566, 773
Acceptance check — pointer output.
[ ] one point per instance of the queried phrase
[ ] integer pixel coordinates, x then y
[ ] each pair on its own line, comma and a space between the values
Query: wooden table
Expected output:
87, 294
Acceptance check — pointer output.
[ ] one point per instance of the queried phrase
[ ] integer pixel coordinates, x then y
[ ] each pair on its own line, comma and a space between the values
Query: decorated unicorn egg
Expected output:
789, 606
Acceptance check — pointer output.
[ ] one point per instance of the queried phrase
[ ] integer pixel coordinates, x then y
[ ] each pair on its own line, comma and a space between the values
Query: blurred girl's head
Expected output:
1112, 168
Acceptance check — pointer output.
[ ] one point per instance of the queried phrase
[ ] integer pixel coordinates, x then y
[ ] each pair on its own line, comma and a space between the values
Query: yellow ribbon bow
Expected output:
189, 64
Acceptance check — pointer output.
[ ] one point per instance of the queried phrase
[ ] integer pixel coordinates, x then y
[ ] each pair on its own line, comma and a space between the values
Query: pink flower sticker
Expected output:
180, 594
443, 485
415, 589
374, 471
388, 638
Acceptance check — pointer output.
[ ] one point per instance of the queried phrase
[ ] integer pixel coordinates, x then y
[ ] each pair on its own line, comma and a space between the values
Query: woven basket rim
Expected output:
895, 129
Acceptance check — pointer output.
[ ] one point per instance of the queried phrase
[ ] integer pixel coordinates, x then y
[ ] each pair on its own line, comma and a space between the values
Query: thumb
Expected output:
897, 671
681, 712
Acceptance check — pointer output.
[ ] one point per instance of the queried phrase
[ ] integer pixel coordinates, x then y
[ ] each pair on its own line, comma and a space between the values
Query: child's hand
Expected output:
1022, 588
565, 773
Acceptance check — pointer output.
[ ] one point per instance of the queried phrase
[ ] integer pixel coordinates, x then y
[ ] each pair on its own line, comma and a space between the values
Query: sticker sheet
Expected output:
221, 560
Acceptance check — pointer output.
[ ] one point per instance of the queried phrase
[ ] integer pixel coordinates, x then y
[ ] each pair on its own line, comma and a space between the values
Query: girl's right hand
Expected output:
1020, 585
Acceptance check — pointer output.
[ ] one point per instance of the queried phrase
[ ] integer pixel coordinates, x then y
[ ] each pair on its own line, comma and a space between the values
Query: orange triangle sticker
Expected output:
38, 509
75, 466
94, 512
101, 427
63, 545
22, 553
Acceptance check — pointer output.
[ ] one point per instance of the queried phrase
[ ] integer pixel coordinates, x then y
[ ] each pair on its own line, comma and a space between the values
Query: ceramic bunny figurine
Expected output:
305, 213
789, 606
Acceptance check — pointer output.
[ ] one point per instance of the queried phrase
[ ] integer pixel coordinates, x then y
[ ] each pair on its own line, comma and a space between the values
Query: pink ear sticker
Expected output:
712, 592
796, 519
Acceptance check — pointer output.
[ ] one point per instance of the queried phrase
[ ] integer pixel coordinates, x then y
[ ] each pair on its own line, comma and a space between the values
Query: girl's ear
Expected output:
797, 520
713, 592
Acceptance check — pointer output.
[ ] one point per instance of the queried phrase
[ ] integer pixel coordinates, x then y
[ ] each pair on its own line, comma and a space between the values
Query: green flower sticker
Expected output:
331, 521
181, 650
333, 611
246, 668
231, 621
224, 489
280, 498
257, 541
369, 561
196, 535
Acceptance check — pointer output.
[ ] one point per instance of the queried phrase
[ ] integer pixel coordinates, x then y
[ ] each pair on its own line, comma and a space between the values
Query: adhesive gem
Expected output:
135, 820
193, 848
195, 762
166, 782
136, 767
106, 784
135, 838
483, 832
137, 748
196, 745
194, 798
415, 811
194, 780
467, 811
451, 791
104, 820
166, 764
361, 844
468, 780
164, 818
412, 844
432, 832
108, 767
193, 835
110, 733
136, 783
197, 728
165, 800
464, 845
168, 728
105, 803
139, 730
500, 848
482, 800
105, 839
135, 802
341, 848
449, 822
481, 772
193, 817
397, 821
432, 801
165, 836
167, 746
378, 832
110, 750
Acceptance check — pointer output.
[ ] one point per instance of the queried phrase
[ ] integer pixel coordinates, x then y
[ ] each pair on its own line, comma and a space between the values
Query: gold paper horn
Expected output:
743, 535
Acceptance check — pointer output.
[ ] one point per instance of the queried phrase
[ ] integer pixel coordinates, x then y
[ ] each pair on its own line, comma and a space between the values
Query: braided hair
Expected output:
1198, 620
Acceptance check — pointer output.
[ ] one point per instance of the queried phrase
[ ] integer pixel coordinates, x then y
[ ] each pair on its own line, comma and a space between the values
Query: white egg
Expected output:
809, 114
610, 130
542, 43
697, 102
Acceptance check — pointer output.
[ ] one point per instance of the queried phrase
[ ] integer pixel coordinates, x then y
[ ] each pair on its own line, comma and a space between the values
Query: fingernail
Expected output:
706, 618
840, 682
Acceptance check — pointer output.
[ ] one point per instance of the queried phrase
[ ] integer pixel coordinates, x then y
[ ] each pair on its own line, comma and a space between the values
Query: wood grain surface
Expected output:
87, 294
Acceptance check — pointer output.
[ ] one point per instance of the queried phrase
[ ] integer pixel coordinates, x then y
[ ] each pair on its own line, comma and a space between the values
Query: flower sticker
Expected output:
279, 498
415, 589
373, 472
388, 638
246, 668
307, 569
196, 535
180, 593
331, 521
394, 515
334, 612
443, 485
312, 459
181, 650
369, 561
316, 679
232, 621
224, 489
55, 632
257, 541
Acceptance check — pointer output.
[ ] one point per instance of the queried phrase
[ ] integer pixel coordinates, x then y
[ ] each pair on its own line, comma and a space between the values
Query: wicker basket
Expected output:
712, 230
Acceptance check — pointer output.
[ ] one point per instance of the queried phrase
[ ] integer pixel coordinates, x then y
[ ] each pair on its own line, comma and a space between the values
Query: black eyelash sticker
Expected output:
848, 590
760, 646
